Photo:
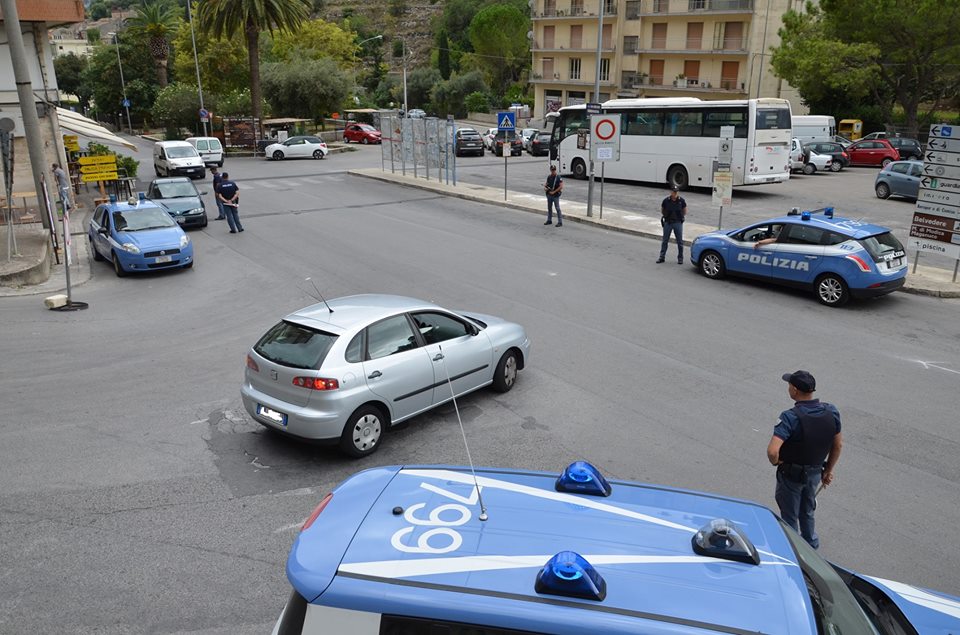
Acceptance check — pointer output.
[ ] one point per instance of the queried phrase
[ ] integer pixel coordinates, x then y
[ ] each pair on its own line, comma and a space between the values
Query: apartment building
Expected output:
711, 49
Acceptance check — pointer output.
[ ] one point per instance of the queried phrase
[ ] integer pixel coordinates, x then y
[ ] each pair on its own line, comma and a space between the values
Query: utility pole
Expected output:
196, 65
123, 85
28, 105
596, 100
403, 49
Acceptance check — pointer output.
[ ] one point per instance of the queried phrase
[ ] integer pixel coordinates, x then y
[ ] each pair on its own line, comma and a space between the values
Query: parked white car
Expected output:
303, 147
816, 161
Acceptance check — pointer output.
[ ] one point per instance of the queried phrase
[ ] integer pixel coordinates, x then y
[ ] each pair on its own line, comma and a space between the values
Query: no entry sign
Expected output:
605, 137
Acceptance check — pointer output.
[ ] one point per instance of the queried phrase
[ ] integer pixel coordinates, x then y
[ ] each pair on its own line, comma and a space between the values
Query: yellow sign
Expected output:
98, 160
103, 167
71, 142
99, 176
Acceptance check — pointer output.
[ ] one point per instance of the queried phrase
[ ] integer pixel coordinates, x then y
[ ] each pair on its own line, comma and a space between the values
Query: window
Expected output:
548, 35
802, 235
691, 70
694, 35
576, 36
610, 7
733, 39
773, 119
296, 346
573, 121
696, 5
629, 79
354, 352
576, 7
659, 39
656, 72
631, 44
604, 70
729, 72
915, 170
390, 336
899, 168
633, 9
760, 232
642, 123
574, 68
437, 327
714, 119
683, 123
661, 6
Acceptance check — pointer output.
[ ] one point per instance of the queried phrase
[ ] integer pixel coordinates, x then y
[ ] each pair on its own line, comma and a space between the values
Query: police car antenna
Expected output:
319, 294
483, 508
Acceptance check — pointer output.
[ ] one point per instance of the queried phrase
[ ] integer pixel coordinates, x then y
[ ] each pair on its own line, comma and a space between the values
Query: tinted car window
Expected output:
882, 245
437, 327
295, 346
354, 351
390, 336
802, 235
899, 168
753, 234
915, 170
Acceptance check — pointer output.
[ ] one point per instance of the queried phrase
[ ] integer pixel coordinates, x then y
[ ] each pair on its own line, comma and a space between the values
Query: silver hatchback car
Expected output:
344, 371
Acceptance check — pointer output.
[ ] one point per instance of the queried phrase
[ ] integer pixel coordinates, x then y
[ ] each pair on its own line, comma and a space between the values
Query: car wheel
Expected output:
364, 141
157, 170
117, 267
677, 177
481, 153
206, 222
346, 139
96, 254
883, 190
886, 161
318, 154
361, 436
809, 169
832, 290
219, 164
579, 169
277, 155
505, 376
836, 166
712, 265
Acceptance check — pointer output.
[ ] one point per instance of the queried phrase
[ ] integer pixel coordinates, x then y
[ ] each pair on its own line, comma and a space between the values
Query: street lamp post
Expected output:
403, 50
123, 86
196, 64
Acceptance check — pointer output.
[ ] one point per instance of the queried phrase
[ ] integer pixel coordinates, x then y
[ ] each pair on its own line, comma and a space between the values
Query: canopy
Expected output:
89, 128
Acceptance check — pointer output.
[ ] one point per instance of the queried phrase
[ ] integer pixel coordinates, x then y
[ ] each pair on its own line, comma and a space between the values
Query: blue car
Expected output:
138, 236
837, 258
438, 549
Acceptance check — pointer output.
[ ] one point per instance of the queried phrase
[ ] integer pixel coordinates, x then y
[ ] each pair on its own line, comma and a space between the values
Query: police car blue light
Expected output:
837, 258
402, 549
582, 478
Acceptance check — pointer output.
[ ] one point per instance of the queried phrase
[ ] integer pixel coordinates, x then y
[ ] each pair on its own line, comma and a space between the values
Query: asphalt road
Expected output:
137, 496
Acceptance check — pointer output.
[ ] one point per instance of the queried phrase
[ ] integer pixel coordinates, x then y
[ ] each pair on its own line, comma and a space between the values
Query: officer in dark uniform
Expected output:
673, 211
805, 447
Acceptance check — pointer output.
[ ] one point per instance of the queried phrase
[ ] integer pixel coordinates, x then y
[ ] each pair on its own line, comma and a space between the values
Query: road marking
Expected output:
280, 530
928, 365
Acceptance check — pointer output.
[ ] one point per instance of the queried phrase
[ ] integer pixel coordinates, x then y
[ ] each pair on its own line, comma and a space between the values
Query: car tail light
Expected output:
864, 267
316, 383
252, 364
845, 155
316, 512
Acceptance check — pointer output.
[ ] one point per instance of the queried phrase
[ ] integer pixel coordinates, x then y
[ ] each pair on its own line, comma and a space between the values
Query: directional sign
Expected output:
940, 183
946, 145
71, 142
937, 209
99, 159
933, 246
943, 131
935, 226
93, 169
940, 198
506, 121
942, 158
605, 137
100, 176
594, 108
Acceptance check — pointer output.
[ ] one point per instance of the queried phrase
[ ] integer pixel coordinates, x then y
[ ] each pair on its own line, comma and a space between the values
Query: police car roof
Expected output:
846, 226
124, 206
389, 530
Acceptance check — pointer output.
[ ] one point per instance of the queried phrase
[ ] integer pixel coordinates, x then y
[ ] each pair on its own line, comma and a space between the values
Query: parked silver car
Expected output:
900, 178
345, 371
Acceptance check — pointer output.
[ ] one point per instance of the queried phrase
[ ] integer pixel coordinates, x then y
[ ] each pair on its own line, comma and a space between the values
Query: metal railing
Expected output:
655, 7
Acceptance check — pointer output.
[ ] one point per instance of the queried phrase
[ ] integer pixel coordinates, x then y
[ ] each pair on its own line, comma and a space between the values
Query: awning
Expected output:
89, 128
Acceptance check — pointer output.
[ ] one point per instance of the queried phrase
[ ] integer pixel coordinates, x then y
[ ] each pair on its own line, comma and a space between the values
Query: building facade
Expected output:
711, 49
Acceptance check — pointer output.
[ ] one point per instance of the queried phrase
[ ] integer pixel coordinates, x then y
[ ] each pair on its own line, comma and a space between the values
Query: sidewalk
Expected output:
932, 281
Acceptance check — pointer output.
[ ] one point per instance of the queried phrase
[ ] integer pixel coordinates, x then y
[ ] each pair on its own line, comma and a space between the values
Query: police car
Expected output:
437, 549
835, 257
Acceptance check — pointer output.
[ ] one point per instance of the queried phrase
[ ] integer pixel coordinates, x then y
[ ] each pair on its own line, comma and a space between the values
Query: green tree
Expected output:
315, 39
477, 102
450, 97
443, 53
311, 88
69, 70
93, 35
177, 105
420, 81
102, 79
498, 34
908, 51
222, 61
224, 18
156, 21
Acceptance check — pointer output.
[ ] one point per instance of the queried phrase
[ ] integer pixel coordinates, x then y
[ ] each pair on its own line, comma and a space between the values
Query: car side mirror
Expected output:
103, 230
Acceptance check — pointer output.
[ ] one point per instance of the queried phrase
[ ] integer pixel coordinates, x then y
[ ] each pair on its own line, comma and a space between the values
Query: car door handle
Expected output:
810, 257
438, 357
374, 374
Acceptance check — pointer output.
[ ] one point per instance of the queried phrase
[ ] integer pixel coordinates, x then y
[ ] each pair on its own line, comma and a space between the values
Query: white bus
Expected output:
809, 128
675, 140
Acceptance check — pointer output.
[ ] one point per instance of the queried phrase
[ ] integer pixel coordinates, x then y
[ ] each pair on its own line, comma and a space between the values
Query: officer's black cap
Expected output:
801, 380
674, 188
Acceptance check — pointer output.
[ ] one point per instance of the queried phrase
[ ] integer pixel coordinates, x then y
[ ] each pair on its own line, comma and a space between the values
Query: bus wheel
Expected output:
677, 177
579, 169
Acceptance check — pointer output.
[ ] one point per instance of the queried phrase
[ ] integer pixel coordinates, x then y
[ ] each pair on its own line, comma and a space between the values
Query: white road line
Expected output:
280, 530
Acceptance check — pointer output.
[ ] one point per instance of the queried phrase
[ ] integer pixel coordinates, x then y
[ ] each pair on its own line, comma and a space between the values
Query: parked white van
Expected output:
177, 158
210, 149
814, 128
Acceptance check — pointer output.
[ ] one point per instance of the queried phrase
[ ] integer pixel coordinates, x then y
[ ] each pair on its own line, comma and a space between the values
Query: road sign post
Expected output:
506, 122
604, 144
593, 108
722, 177
935, 227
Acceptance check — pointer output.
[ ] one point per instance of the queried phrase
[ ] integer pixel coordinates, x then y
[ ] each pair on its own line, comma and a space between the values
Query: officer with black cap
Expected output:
805, 447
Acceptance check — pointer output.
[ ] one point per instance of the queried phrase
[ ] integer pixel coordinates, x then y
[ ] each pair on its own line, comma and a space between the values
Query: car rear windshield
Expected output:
294, 345
882, 246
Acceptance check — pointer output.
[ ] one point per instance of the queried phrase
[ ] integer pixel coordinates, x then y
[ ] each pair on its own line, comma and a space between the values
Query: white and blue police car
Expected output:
834, 257
438, 549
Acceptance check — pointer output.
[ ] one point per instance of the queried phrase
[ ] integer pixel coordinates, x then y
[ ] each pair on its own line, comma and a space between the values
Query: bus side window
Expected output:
644, 123
684, 124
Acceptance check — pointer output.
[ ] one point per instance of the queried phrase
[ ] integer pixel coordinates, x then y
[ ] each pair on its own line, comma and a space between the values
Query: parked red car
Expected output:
361, 133
872, 152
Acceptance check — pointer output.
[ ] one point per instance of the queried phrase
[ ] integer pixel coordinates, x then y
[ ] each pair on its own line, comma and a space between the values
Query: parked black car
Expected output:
908, 148
540, 144
832, 149
468, 141
505, 137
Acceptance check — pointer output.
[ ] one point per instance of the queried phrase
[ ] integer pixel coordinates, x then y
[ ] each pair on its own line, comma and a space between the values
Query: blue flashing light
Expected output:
828, 212
581, 477
113, 198
569, 574
720, 538
142, 196
805, 216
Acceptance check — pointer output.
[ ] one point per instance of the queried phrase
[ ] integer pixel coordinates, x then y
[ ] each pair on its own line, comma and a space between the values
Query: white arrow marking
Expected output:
928, 365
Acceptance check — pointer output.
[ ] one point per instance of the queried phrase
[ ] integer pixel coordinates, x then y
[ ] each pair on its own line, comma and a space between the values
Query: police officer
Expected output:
805, 436
673, 210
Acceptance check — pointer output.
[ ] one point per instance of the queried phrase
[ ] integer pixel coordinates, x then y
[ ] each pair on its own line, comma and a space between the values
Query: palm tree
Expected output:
157, 20
222, 18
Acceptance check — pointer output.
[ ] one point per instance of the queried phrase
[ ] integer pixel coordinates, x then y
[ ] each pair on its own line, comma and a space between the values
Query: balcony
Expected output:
683, 46
575, 10
556, 79
694, 7
560, 48
700, 85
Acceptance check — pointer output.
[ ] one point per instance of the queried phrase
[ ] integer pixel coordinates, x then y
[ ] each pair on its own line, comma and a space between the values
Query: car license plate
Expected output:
163, 259
272, 415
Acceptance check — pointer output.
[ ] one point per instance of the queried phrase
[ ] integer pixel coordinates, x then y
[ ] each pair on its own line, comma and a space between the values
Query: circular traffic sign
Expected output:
605, 129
